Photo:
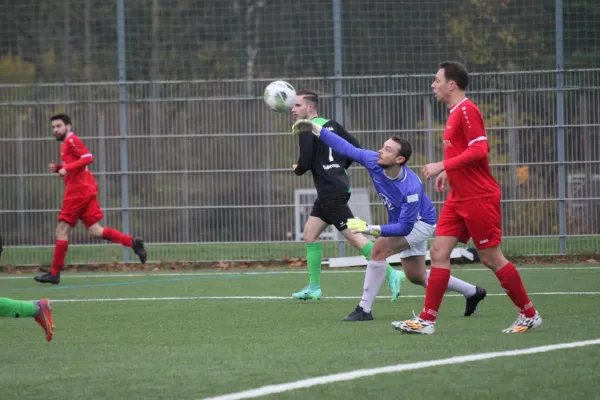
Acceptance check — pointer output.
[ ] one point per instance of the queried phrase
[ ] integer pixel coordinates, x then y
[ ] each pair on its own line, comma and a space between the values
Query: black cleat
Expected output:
138, 248
48, 278
358, 315
474, 300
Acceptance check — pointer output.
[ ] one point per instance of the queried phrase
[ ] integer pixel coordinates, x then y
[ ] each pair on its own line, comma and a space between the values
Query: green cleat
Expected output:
308, 293
395, 284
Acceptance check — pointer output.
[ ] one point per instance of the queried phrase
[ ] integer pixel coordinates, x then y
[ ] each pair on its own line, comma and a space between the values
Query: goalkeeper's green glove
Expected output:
306, 125
357, 225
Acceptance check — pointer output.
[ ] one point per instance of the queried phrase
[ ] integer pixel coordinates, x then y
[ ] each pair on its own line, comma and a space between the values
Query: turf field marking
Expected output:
358, 270
290, 298
361, 373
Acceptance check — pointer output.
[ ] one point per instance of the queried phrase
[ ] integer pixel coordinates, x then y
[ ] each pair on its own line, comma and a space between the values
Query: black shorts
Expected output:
334, 211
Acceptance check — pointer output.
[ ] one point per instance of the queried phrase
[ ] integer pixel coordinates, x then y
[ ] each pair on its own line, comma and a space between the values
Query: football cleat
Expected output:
44, 317
474, 300
524, 324
139, 249
358, 315
309, 293
415, 325
395, 284
48, 278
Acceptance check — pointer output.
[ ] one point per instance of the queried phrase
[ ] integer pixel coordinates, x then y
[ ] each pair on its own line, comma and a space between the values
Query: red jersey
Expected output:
75, 158
466, 154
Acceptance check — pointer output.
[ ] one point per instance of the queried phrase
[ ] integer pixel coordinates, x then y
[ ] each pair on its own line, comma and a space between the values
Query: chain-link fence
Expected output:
167, 94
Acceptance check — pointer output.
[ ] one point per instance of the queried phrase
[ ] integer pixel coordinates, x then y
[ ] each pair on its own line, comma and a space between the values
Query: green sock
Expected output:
314, 256
16, 308
366, 251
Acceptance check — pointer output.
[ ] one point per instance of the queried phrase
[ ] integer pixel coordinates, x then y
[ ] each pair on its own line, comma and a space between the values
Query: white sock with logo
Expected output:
374, 277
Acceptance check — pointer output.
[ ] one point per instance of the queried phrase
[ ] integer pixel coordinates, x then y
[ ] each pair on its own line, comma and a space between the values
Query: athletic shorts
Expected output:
334, 211
479, 219
417, 239
86, 209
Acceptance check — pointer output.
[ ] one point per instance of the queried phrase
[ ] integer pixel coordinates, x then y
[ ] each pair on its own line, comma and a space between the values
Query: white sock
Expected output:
456, 285
374, 278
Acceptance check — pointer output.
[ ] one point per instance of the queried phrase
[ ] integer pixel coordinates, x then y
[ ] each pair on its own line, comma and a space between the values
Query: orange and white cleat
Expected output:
44, 318
415, 325
524, 324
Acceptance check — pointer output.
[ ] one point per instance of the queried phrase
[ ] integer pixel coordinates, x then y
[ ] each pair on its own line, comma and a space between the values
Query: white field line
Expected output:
358, 270
100, 300
361, 373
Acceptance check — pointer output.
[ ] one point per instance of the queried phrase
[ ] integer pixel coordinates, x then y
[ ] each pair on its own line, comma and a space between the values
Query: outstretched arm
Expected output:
341, 146
350, 139
345, 148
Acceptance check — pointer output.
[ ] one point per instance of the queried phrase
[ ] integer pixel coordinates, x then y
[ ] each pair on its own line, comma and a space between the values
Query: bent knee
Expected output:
493, 258
380, 251
439, 252
62, 232
95, 231
310, 238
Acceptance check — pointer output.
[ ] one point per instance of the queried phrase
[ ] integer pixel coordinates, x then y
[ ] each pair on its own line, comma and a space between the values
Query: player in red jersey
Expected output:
79, 201
472, 209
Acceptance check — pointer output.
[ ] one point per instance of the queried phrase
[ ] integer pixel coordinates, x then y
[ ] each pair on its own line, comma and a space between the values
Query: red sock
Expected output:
437, 283
511, 281
60, 252
117, 237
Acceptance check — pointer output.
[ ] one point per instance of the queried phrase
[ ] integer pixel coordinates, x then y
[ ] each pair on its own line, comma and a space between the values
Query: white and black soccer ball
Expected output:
280, 96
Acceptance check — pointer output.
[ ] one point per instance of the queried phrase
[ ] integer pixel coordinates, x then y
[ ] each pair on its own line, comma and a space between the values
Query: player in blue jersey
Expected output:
412, 218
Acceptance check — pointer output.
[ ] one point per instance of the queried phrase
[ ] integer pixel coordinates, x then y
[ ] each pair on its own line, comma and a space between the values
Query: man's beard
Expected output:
384, 166
60, 138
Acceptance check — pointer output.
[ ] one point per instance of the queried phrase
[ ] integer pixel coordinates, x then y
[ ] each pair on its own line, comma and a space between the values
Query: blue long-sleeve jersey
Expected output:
404, 196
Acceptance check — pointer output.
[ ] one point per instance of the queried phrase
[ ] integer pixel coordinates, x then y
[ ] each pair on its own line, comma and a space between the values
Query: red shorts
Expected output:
87, 209
479, 219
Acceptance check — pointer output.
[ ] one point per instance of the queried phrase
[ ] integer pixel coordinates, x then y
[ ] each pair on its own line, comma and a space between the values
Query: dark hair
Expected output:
455, 71
309, 95
63, 117
405, 148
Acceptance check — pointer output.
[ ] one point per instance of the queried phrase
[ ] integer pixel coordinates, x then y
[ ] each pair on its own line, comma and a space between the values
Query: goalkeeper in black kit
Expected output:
333, 193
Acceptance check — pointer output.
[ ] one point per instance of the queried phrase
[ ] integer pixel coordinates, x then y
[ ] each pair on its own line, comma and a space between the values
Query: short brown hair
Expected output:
309, 95
63, 117
455, 71
405, 148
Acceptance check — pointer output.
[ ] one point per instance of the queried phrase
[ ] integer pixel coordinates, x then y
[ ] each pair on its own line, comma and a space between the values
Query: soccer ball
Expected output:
280, 96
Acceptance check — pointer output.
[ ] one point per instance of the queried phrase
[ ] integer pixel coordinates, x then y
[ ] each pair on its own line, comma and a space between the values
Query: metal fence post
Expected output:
337, 72
187, 143
560, 123
20, 172
102, 163
122, 72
